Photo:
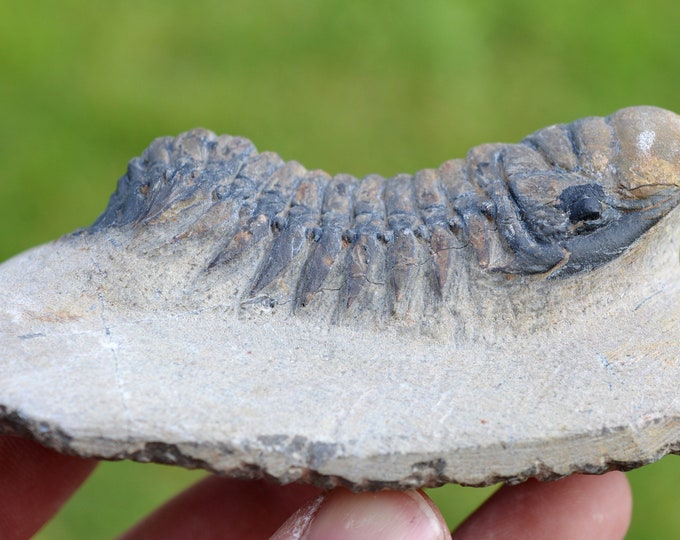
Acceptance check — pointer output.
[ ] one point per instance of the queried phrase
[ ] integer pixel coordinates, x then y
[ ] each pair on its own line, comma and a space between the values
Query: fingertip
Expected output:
35, 481
618, 503
579, 506
343, 515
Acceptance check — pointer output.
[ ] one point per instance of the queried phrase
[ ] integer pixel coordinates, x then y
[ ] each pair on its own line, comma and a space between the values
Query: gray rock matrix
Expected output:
509, 315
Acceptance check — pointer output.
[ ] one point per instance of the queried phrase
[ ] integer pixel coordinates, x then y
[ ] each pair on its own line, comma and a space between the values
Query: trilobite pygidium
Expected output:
567, 199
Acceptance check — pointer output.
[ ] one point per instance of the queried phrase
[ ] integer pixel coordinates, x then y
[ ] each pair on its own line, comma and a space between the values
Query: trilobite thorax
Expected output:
564, 201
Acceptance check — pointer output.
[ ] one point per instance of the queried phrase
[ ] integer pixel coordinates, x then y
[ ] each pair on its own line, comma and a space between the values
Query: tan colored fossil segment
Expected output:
119, 343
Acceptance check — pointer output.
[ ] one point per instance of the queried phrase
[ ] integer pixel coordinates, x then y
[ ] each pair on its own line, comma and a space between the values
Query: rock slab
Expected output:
118, 343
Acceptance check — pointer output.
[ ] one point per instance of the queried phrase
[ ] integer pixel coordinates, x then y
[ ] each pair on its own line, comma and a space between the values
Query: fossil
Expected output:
567, 199
507, 315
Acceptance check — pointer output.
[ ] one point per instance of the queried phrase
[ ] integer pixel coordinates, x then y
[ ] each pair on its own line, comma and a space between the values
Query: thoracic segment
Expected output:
567, 199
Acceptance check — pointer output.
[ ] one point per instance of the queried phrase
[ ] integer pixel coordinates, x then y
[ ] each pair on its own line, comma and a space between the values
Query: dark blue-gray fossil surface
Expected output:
515, 313
567, 199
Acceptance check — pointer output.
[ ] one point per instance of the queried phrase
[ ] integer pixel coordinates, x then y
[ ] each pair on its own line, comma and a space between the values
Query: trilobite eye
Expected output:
586, 209
582, 203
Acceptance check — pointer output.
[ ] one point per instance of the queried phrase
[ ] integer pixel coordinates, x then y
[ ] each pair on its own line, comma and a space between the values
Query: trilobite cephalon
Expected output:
565, 200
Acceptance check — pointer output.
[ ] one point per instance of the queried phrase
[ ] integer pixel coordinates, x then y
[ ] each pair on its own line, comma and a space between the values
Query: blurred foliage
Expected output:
383, 86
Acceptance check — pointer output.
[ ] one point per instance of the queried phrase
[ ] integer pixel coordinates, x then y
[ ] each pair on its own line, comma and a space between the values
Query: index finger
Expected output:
34, 483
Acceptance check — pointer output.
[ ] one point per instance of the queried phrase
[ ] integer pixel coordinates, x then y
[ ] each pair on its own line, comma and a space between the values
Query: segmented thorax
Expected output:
565, 200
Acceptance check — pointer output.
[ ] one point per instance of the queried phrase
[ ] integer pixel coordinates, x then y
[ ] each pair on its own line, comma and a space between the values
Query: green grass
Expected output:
115, 497
382, 86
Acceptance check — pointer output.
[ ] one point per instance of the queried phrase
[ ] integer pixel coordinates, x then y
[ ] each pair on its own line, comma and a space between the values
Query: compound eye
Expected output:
585, 209
582, 203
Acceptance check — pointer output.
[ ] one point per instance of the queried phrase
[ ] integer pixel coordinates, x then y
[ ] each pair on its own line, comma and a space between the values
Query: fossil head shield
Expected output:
570, 198
511, 314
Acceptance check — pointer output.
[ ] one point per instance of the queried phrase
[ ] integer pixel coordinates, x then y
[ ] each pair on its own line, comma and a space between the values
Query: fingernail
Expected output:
342, 515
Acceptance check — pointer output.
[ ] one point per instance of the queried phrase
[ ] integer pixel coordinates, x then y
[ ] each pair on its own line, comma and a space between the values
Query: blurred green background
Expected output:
382, 86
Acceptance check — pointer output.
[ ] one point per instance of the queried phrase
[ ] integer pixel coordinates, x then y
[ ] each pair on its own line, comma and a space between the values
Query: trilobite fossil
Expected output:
235, 312
566, 200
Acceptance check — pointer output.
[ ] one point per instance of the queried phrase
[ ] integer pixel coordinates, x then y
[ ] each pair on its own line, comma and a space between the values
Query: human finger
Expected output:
34, 483
580, 506
224, 508
342, 515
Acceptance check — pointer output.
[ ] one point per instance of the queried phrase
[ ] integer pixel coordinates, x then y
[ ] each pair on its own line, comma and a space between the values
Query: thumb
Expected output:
342, 515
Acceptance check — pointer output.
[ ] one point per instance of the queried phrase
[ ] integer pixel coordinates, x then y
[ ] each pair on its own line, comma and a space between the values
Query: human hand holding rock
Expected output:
35, 482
